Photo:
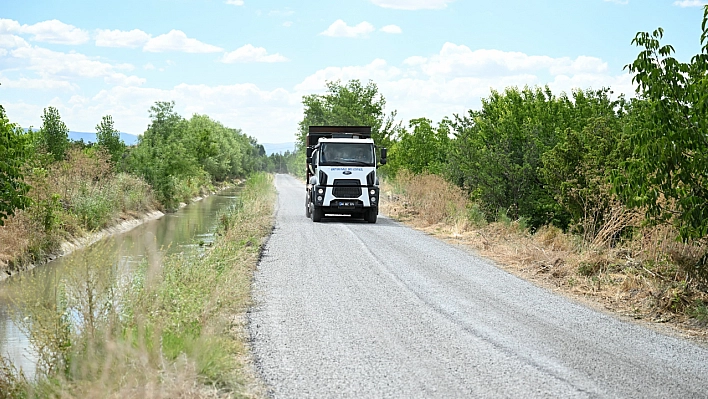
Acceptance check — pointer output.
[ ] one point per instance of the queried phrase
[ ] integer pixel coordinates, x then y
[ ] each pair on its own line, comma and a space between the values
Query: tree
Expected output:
13, 190
109, 138
178, 156
577, 171
667, 172
54, 133
424, 149
352, 104
497, 152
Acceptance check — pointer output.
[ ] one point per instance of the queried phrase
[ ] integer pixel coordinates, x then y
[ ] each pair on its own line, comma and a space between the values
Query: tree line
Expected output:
51, 187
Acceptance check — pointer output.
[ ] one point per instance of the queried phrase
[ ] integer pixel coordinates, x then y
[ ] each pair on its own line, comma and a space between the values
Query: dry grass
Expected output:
651, 277
14, 239
426, 198
69, 199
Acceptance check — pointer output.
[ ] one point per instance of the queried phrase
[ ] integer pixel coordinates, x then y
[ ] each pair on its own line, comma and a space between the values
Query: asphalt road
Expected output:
349, 309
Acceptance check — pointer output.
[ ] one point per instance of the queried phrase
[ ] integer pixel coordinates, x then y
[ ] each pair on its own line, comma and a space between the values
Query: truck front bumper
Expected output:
323, 197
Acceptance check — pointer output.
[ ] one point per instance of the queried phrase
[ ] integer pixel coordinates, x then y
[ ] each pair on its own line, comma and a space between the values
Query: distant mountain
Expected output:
131, 139
280, 148
128, 139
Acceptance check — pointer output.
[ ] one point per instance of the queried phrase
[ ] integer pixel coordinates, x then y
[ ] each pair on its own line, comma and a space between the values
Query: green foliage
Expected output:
109, 138
699, 311
520, 154
13, 382
425, 149
578, 170
178, 156
283, 163
351, 104
13, 152
54, 133
668, 132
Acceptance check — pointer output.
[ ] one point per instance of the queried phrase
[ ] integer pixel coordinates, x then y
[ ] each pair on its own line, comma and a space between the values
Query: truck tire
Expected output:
370, 216
317, 214
308, 213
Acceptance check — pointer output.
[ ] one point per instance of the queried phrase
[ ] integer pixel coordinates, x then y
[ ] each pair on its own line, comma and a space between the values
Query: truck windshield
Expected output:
347, 154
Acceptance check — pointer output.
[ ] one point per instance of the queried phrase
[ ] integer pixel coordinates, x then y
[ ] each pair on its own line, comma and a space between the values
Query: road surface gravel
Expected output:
347, 309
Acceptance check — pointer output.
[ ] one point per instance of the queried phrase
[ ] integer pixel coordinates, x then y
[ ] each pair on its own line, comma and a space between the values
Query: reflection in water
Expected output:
118, 256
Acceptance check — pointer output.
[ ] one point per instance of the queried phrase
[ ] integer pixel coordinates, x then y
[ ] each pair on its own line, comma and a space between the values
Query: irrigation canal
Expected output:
185, 230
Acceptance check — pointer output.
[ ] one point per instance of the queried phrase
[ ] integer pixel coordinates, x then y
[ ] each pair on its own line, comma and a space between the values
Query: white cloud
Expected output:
340, 28
377, 70
9, 26
234, 2
12, 41
118, 38
119, 79
264, 114
413, 4
55, 31
459, 60
456, 78
690, 3
249, 53
47, 63
177, 40
391, 29
288, 24
582, 64
36, 84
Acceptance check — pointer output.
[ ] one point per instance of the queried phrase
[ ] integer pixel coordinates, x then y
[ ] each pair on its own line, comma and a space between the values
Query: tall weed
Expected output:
432, 199
69, 198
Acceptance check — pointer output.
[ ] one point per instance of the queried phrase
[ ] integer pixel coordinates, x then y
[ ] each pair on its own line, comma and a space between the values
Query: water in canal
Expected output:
185, 230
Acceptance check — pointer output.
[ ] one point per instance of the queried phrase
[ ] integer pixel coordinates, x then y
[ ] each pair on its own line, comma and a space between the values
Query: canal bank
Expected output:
75, 243
121, 247
170, 328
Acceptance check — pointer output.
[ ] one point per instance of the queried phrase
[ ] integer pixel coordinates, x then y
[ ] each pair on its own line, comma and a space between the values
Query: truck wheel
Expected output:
370, 216
308, 213
317, 214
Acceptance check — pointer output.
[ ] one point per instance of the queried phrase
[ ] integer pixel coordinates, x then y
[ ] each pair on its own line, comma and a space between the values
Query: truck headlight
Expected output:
372, 192
373, 199
320, 191
319, 198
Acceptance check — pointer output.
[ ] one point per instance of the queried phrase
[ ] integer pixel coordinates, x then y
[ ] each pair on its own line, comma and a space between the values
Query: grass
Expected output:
176, 328
649, 275
70, 199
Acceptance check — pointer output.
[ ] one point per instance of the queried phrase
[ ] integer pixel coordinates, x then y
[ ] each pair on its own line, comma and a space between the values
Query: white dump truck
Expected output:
341, 172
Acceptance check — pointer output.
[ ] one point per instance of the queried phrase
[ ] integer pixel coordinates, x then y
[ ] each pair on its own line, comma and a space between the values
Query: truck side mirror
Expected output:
308, 152
384, 152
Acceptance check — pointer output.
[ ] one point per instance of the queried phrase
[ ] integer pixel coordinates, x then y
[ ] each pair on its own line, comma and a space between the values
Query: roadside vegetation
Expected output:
55, 190
589, 192
173, 328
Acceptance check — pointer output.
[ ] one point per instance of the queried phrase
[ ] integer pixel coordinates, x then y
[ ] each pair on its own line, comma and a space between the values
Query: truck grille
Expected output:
346, 188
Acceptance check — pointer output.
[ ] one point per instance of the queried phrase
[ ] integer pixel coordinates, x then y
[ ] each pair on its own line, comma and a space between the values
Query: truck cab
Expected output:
341, 172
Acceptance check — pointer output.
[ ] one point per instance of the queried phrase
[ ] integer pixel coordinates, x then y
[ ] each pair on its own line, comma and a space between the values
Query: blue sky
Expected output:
247, 63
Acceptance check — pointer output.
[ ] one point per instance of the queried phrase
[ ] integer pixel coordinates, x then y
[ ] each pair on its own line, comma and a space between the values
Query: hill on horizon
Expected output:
128, 139
131, 139
280, 148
